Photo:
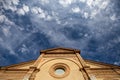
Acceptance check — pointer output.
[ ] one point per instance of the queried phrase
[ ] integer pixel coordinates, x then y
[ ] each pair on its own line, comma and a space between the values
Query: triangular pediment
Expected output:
60, 50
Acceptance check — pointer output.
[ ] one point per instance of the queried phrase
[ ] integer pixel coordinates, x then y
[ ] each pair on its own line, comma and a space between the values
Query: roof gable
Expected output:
22, 65
60, 50
95, 64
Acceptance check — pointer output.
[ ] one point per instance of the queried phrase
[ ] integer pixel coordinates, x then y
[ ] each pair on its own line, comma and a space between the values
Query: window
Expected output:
59, 70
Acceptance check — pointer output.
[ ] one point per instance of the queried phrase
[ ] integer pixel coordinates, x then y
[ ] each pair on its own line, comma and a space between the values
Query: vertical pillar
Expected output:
38, 60
84, 66
28, 75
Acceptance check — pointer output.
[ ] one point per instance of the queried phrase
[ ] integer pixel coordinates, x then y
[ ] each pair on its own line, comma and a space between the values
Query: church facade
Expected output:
60, 64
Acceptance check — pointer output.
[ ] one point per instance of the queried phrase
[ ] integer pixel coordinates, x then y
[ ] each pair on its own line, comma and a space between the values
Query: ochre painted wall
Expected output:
74, 72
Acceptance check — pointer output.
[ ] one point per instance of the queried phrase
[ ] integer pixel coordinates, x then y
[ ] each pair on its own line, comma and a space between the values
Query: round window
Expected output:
59, 70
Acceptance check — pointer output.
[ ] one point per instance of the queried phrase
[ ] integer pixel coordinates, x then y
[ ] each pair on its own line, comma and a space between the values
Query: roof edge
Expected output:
17, 64
62, 48
102, 63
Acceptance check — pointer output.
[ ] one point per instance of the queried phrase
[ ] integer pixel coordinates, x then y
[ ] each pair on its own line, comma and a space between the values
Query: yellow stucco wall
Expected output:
74, 72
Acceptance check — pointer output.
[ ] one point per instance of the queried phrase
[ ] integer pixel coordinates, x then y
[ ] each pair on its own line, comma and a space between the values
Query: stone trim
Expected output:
59, 65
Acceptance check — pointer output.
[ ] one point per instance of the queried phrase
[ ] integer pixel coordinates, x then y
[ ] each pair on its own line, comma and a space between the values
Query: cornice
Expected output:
60, 48
14, 69
102, 63
21, 63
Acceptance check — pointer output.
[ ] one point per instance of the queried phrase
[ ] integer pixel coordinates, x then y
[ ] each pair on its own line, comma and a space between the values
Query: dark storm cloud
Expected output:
90, 25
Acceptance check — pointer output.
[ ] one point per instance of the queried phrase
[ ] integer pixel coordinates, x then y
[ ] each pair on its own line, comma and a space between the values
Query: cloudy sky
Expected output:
28, 26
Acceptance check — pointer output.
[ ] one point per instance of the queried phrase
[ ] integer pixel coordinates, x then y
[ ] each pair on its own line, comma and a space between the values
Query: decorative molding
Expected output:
5, 69
59, 55
60, 50
59, 65
33, 75
63, 59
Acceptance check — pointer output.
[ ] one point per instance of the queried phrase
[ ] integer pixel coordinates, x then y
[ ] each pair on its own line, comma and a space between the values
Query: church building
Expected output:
60, 64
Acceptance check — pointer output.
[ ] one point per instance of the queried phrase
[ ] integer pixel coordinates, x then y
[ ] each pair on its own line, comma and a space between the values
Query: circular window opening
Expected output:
60, 71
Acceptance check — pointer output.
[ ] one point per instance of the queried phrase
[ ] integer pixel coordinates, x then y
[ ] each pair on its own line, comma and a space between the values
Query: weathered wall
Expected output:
74, 72
12, 74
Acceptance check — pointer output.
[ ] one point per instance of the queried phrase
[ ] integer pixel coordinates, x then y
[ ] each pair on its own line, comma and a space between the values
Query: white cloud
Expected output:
26, 8
53, 30
65, 3
104, 4
97, 4
12, 37
10, 4
6, 31
76, 10
89, 3
113, 17
86, 15
93, 14
2, 18
82, 1
49, 17
23, 10
58, 21
40, 13
24, 49
34, 10
40, 10
20, 12
117, 63
45, 1
37, 10
15, 2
